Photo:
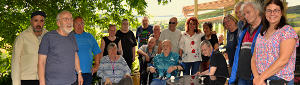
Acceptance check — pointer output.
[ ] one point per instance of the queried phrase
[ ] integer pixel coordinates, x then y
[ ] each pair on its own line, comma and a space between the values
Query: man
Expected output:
148, 52
218, 66
238, 13
165, 64
128, 42
172, 34
246, 42
58, 57
143, 32
25, 51
88, 47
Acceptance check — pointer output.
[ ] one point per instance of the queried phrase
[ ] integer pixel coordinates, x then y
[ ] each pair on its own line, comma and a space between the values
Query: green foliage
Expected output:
98, 14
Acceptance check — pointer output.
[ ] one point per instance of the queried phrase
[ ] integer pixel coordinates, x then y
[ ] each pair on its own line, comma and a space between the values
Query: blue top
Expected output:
162, 63
60, 62
237, 52
88, 47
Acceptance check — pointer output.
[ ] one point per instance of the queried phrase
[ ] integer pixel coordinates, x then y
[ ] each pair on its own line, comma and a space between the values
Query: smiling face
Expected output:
125, 25
206, 29
192, 26
37, 23
273, 13
151, 42
65, 22
79, 26
206, 50
112, 30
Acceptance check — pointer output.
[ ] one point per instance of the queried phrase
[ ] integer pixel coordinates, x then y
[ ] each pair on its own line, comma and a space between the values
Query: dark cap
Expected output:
38, 13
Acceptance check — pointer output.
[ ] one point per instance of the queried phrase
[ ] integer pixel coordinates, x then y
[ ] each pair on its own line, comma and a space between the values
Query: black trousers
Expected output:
30, 82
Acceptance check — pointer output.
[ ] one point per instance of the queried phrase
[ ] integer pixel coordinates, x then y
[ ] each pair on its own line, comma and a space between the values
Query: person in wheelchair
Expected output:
217, 71
113, 68
165, 65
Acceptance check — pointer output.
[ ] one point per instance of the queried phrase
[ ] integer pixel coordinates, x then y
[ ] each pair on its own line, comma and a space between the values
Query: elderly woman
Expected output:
275, 49
189, 47
212, 38
113, 67
230, 23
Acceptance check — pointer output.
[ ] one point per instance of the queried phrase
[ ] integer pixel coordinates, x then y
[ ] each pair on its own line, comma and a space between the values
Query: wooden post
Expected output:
196, 8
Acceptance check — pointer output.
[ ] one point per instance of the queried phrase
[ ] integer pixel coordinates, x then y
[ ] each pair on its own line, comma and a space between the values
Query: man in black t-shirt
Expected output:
217, 65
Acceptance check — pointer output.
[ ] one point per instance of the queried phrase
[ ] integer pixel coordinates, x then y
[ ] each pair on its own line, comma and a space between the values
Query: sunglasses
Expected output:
172, 22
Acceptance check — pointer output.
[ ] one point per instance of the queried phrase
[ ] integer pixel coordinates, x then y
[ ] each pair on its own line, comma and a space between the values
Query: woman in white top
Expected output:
189, 47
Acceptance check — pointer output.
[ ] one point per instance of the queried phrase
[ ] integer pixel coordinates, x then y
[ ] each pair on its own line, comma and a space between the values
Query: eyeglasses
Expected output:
273, 11
172, 22
67, 19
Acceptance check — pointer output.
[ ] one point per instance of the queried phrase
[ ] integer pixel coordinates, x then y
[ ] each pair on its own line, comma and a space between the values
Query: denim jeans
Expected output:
188, 65
277, 78
242, 81
158, 82
87, 78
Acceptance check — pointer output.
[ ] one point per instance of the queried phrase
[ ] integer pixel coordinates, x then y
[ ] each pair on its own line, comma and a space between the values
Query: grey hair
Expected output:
205, 42
156, 25
255, 5
110, 46
59, 14
239, 4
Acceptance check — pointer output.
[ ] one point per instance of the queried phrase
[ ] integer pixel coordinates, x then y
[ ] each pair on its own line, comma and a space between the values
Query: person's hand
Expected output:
107, 82
95, 68
212, 77
152, 69
127, 76
258, 81
171, 69
198, 73
80, 79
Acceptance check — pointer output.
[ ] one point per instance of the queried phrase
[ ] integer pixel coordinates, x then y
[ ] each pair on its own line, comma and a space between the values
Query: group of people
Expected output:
261, 47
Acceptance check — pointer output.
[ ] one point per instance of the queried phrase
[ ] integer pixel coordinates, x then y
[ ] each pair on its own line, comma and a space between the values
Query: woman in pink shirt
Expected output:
275, 49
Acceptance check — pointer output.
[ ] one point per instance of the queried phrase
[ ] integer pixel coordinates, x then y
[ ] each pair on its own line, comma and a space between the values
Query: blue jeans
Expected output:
158, 82
277, 78
244, 82
87, 78
188, 65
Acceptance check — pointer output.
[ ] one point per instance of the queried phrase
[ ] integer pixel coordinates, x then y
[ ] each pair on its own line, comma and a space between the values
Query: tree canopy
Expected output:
98, 14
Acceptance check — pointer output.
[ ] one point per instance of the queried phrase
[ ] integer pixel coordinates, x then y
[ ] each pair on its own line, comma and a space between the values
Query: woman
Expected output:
110, 39
212, 38
113, 67
275, 49
230, 24
189, 47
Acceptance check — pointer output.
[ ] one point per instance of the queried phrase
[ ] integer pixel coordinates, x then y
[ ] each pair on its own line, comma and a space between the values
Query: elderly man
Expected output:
246, 43
148, 52
172, 34
25, 51
88, 47
143, 32
58, 57
165, 64
238, 13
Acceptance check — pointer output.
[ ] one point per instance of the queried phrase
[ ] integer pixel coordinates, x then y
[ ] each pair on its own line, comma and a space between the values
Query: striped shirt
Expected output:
268, 50
115, 71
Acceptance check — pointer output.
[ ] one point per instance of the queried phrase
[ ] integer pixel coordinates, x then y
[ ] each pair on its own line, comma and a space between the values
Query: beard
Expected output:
67, 28
37, 28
